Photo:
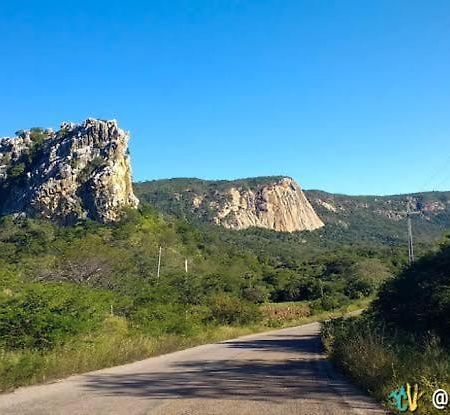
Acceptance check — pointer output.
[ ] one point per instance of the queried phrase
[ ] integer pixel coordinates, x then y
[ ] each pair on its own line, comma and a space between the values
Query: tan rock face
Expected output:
81, 171
280, 206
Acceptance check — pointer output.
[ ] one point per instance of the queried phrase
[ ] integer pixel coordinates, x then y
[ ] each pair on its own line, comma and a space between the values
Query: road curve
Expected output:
281, 372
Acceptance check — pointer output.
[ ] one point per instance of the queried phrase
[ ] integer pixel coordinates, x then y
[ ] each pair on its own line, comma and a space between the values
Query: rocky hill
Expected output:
255, 202
80, 171
271, 203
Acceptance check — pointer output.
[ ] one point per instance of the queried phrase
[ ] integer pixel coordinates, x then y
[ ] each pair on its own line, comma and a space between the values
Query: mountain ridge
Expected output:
372, 217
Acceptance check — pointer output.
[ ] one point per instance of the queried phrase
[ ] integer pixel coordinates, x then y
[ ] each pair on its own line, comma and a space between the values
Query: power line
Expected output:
447, 177
435, 173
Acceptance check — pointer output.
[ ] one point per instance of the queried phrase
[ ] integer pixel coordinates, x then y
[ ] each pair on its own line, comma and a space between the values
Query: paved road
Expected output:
281, 372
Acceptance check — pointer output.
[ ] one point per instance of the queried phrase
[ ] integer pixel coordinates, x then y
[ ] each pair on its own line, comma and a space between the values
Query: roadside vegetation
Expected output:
113, 340
403, 336
79, 298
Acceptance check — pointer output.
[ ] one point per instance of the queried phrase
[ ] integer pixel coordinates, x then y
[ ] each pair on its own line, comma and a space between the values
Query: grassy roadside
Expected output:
382, 363
402, 339
116, 342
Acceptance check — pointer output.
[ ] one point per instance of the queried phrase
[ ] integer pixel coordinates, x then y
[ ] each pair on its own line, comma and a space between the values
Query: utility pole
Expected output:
186, 288
409, 214
159, 265
410, 240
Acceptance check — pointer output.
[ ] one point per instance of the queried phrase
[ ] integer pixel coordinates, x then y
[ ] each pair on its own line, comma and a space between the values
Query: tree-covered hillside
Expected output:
383, 218
348, 219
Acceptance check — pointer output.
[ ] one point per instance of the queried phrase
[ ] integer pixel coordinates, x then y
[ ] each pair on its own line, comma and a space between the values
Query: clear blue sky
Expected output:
348, 96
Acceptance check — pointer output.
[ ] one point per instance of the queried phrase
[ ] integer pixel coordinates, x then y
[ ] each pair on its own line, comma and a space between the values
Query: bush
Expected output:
418, 300
330, 303
43, 316
254, 294
226, 309
160, 319
16, 171
358, 288
89, 169
38, 135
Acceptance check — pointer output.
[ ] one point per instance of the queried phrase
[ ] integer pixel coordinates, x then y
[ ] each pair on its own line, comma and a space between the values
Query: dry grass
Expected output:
381, 364
276, 314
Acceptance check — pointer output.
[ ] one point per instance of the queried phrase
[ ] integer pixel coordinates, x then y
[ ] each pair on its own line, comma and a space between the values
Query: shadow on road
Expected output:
249, 373
304, 345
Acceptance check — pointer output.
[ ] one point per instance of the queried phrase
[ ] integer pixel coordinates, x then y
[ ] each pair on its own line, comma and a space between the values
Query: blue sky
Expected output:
349, 96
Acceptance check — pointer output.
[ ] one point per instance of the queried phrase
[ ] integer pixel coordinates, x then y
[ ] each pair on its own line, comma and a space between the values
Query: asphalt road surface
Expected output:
278, 373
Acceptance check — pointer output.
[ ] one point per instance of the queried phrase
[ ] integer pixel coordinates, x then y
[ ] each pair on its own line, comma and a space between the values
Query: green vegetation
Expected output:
381, 219
88, 296
16, 170
89, 169
403, 337
38, 135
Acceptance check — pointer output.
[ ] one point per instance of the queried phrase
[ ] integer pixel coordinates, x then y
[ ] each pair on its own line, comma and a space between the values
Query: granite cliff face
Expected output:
276, 203
280, 206
81, 171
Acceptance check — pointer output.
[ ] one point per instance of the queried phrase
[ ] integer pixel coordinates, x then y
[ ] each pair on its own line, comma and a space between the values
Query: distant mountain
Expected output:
275, 203
238, 204
384, 217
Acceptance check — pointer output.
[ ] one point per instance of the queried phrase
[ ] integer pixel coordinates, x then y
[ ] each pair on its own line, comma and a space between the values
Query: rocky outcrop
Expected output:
277, 203
81, 171
280, 206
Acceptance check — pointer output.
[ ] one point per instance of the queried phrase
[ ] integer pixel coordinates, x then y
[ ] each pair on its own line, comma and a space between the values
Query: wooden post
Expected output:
159, 265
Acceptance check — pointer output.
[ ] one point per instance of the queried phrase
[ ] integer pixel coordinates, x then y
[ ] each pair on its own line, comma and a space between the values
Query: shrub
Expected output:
418, 300
329, 303
89, 169
226, 309
254, 294
16, 171
160, 319
42, 316
38, 135
358, 288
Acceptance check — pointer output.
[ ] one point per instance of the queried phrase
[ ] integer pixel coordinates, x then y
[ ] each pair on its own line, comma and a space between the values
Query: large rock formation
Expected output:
276, 203
80, 171
281, 206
